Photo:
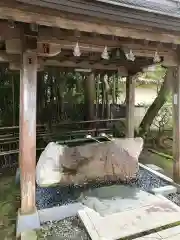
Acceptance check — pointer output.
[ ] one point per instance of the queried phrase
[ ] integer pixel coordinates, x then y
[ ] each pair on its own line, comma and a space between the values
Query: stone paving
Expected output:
168, 234
140, 211
118, 200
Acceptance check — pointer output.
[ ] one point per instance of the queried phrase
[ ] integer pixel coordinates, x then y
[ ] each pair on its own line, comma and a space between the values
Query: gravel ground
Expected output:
72, 228
67, 229
57, 196
146, 181
175, 198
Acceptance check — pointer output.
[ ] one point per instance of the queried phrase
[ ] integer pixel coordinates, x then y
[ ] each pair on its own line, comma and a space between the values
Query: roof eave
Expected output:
139, 8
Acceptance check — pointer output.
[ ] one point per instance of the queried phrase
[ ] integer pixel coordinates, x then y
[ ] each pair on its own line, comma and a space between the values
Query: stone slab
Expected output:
165, 190
131, 221
153, 236
177, 237
169, 232
155, 167
116, 198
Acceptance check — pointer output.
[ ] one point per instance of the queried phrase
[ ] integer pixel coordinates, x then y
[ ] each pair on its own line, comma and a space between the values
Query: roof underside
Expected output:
152, 13
165, 7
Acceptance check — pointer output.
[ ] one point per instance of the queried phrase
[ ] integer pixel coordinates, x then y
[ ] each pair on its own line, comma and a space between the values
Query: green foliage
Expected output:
163, 120
8, 85
157, 73
55, 89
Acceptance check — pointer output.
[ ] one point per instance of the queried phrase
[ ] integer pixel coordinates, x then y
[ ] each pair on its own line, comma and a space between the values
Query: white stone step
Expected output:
155, 167
170, 232
119, 225
165, 191
153, 236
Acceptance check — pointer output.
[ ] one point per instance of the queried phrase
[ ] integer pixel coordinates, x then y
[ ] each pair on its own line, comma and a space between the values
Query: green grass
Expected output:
148, 157
9, 203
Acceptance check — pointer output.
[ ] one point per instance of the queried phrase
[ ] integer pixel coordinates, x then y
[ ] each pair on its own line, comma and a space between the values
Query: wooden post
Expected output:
27, 157
90, 96
130, 108
176, 124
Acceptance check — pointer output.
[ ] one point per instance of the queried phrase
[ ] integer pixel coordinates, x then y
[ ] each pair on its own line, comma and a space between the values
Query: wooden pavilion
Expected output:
99, 35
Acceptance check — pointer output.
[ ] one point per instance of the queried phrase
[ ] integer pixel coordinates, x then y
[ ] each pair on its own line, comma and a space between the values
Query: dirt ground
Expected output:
148, 157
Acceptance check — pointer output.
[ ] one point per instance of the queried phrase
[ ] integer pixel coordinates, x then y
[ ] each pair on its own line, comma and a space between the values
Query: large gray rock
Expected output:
48, 169
113, 160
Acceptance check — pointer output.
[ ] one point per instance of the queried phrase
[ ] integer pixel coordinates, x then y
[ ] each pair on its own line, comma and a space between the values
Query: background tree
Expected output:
163, 95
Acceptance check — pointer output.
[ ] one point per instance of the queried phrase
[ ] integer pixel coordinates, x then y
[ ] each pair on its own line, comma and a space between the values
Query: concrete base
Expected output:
59, 213
29, 235
26, 223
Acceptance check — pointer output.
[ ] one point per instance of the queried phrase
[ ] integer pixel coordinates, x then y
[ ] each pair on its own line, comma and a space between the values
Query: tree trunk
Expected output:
114, 90
157, 104
107, 98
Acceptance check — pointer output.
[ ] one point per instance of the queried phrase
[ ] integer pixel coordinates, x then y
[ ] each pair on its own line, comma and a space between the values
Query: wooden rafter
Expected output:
91, 44
63, 37
53, 18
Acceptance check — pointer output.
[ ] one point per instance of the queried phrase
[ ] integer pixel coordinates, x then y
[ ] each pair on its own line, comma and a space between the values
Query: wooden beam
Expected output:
130, 106
17, 66
65, 41
13, 46
176, 124
8, 32
30, 14
4, 57
65, 65
58, 36
170, 61
86, 65
70, 65
119, 65
27, 156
